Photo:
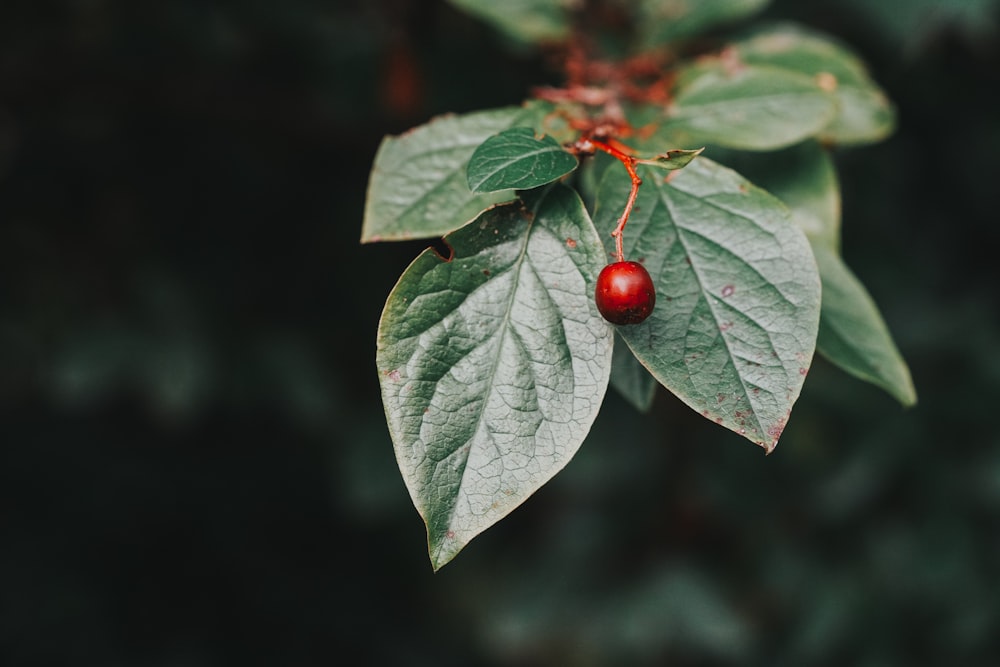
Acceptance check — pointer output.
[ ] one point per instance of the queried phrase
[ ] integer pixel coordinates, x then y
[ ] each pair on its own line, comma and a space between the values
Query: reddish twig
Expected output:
602, 87
617, 150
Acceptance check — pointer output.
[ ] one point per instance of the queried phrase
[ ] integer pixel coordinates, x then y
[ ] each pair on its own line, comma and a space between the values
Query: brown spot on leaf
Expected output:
775, 430
731, 61
728, 291
826, 81
570, 243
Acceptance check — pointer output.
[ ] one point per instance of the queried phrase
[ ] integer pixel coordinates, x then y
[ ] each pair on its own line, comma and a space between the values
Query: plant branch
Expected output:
617, 150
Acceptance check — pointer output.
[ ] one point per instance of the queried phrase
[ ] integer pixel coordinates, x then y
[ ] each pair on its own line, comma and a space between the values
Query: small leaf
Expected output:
664, 21
864, 112
852, 333
738, 294
747, 107
537, 21
493, 365
418, 186
631, 379
673, 159
515, 160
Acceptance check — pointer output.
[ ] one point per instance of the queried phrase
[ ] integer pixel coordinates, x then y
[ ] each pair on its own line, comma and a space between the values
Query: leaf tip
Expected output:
774, 432
443, 548
906, 391
907, 397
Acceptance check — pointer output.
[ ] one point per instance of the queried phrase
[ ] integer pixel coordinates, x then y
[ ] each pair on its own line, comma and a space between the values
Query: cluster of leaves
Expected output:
494, 361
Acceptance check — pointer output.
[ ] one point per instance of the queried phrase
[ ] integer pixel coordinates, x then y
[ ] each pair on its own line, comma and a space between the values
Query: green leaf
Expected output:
864, 112
747, 107
537, 21
677, 158
803, 177
631, 379
418, 186
852, 333
665, 21
515, 159
493, 365
865, 115
738, 294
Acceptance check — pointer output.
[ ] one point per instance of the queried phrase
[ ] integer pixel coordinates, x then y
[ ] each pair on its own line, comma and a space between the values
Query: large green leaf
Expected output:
523, 20
418, 186
738, 294
493, 365
517, 159
864, 112
746, 107
852, 332
665, 21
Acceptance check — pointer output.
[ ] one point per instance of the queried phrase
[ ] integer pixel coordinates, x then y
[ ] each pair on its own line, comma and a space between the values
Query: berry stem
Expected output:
611, 147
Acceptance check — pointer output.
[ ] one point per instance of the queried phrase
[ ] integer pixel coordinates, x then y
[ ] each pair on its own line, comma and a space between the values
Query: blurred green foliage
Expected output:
194, 464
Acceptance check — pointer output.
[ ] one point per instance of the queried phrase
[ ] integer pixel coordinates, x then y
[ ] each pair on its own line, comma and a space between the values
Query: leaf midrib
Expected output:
515, 266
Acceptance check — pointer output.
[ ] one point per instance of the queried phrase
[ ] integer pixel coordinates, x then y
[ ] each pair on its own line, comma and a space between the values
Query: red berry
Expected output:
625, 293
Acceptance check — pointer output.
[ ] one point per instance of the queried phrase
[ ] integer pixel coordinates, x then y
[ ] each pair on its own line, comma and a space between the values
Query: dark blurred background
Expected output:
194, 464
